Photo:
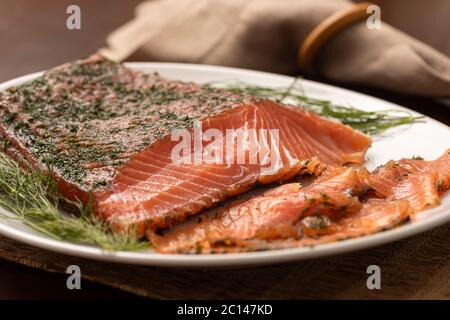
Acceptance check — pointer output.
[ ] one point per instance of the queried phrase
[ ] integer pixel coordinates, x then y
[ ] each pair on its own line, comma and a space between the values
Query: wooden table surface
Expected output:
34, 37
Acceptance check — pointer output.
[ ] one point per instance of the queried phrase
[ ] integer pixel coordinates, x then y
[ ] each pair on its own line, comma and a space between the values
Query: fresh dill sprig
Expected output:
370, 122
32, 197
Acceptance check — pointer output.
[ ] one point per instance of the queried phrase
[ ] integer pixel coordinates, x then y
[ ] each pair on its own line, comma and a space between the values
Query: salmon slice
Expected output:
418, 181
439, 168
105, 132
275, 214
375, 215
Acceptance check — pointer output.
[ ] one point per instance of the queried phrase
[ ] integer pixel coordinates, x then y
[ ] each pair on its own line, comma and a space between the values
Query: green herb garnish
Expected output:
33, 198
370, 122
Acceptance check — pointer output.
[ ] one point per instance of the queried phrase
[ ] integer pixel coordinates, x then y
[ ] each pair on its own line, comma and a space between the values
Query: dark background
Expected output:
33, 37
33, 34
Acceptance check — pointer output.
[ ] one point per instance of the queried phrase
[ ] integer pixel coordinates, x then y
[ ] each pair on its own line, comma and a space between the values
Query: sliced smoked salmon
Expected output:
275, 214
375, 215
340, 204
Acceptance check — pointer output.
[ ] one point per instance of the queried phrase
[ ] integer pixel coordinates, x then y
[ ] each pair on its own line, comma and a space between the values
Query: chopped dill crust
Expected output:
88, 117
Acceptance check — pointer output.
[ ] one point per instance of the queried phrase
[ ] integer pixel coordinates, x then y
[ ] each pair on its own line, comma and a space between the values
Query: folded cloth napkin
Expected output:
266, 35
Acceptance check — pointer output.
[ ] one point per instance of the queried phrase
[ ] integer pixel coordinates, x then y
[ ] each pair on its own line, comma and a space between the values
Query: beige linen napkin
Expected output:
266, 35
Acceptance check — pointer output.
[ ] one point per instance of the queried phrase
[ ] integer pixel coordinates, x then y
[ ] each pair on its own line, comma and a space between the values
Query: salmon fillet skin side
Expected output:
105, 131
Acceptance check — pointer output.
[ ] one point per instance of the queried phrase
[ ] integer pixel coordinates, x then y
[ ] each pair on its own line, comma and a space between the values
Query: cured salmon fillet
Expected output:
150, 187
105, 133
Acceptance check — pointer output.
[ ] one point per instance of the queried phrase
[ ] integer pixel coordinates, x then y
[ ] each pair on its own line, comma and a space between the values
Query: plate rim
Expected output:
149, 258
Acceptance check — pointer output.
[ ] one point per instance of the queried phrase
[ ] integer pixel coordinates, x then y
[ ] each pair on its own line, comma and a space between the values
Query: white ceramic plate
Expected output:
428, 139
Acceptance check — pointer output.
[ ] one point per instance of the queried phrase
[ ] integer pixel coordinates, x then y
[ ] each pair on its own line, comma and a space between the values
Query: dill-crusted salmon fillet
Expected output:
105, 133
